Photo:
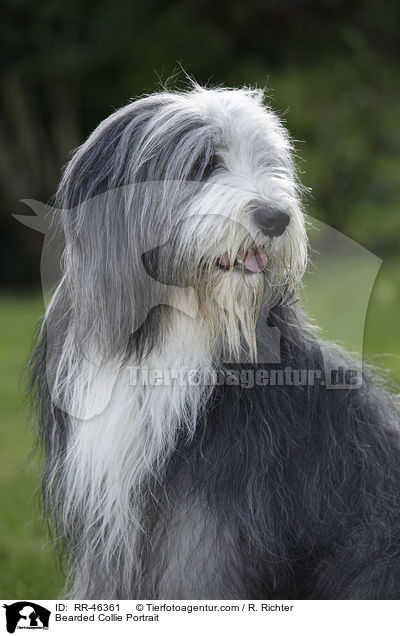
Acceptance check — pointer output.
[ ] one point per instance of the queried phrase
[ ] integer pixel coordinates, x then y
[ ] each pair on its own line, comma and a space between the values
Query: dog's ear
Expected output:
108, 158
93, 169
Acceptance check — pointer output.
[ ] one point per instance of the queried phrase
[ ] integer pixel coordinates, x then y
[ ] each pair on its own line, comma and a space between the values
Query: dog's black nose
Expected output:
271, 221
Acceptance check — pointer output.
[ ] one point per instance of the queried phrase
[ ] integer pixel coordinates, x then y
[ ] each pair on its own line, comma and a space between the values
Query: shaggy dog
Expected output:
167, 474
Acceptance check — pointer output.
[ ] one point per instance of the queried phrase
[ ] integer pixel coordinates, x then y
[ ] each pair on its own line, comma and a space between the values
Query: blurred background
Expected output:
331, 70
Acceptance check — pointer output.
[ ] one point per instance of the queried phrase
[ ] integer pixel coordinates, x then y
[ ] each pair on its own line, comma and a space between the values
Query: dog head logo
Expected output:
162, 268
26, 615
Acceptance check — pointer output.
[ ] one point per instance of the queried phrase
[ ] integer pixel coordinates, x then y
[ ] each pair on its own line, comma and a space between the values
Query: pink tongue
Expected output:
256, 262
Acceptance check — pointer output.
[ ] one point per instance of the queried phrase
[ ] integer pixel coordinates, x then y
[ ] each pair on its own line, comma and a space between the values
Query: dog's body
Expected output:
199, 490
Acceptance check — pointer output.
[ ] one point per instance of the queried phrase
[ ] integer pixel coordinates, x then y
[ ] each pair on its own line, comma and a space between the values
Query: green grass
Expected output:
28, 568
337, 296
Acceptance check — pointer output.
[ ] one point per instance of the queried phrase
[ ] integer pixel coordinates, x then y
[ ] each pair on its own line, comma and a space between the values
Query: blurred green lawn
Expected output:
28, 568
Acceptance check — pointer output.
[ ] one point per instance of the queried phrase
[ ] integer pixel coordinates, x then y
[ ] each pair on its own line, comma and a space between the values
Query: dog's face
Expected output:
210, 201
238, 234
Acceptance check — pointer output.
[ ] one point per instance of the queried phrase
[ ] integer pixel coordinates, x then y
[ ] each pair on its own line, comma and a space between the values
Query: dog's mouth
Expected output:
251, 261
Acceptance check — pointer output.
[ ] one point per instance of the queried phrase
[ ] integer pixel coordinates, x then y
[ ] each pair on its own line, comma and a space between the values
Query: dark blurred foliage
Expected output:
330, 67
